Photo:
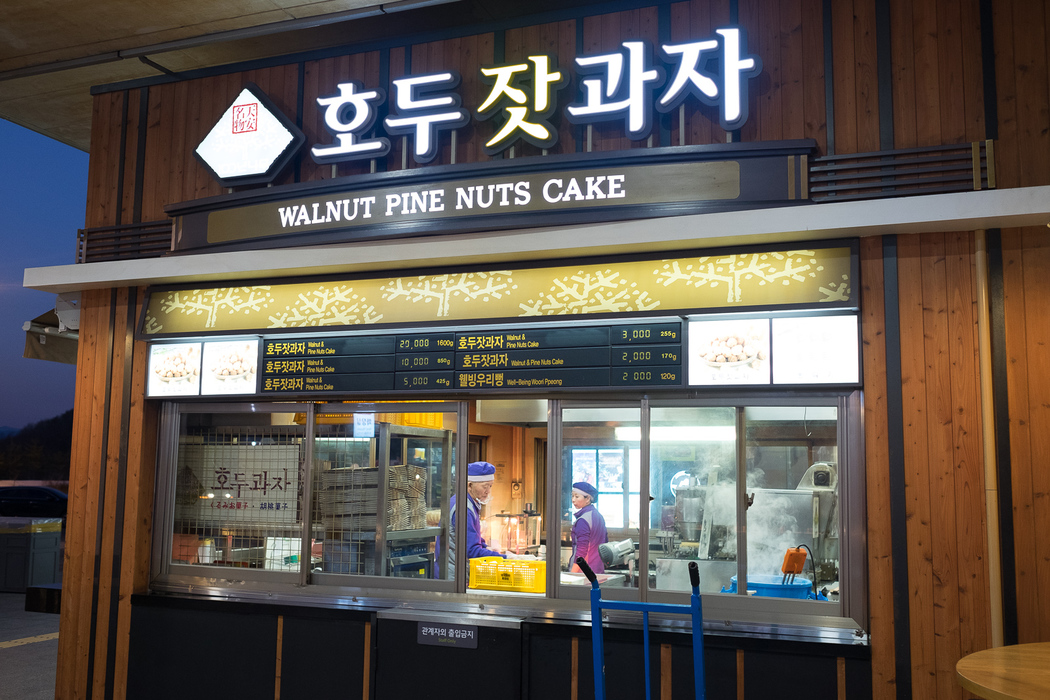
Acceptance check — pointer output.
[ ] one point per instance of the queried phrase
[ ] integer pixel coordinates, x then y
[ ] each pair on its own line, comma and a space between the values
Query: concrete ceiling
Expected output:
53, 51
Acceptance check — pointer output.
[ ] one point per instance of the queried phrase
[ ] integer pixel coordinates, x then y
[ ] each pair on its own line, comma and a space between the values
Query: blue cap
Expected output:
481, 471
586, 488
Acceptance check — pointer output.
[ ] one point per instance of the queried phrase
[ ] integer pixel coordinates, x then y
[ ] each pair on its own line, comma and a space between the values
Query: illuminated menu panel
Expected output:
816, 350
526, 358
790, 350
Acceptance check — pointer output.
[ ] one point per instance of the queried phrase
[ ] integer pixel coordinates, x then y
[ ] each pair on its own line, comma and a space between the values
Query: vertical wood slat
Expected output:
971, 543
277, 668
845, 80
943, 565
920, 552
1037, 310
138, 509
792, 75
952, 97
111, 467
76, 551
903, 65
665, 672
815, 115
740, 695
876, 468
366, 673
867, 76
1033, 91
574, 670
1018, 383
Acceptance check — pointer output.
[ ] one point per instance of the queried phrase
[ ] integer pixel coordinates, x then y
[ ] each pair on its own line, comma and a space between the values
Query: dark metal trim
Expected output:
884, 52
140, 156
300, 90
895, 447
991, 90
829, 78
1001, 407
734, 18
663, 34
438, 173
499, 46
123, 155
106, 400
122, 473
156, 66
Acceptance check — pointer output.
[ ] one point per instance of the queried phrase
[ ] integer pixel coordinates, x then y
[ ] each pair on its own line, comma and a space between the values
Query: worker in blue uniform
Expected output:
588, 532
480, 477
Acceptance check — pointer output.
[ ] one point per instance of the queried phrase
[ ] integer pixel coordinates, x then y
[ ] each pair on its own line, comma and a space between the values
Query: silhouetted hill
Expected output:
7, 430
38, 451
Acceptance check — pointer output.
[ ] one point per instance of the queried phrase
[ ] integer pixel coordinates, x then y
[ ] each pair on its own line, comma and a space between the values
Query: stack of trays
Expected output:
348, 498
408, 488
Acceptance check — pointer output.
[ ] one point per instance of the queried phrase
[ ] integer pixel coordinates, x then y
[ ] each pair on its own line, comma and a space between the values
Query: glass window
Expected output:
505, 533
600, 447
692, 476
790, 481
381, 487
792, 474
238, 491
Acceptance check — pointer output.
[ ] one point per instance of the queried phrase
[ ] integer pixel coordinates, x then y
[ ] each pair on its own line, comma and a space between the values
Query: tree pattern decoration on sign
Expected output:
446, 289
641, 286
733, 270
327, 306
211, 303
589, 292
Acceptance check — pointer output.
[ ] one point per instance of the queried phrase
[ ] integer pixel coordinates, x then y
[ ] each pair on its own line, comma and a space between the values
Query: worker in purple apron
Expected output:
480, 477
588, 532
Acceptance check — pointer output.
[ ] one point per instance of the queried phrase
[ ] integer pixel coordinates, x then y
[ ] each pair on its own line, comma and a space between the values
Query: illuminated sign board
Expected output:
627, 85
795, 349
766, 349
251, 142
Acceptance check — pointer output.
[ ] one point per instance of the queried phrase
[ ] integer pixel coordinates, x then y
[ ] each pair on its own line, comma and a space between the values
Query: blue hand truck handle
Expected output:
582, 563
694, 576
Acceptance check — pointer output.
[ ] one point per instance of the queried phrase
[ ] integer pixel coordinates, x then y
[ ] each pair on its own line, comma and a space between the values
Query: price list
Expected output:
527, 358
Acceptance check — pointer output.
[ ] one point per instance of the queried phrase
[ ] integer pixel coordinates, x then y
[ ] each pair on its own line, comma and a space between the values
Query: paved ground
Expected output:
28, 650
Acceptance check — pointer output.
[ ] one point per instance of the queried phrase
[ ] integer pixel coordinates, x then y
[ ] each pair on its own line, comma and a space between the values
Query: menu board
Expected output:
229, 367
779, 351
174, 369
524, 358
816, 350
729, 352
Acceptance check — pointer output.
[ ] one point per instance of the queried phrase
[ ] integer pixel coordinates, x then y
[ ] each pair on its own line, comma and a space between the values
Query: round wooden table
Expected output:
1018, 672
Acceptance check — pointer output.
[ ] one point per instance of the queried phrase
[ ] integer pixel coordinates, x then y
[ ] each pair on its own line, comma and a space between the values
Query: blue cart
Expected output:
694, 610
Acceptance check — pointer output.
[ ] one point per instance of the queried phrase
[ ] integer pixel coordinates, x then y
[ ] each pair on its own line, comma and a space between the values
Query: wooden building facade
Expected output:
886, 79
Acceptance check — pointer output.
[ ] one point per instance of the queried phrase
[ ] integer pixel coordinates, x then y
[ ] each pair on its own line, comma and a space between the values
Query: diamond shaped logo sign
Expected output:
251, 142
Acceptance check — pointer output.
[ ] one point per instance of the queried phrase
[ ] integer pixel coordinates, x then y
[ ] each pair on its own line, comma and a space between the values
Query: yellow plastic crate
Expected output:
498, 574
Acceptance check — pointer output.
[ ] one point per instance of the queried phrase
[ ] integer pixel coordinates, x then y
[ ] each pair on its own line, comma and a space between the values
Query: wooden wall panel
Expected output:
856, 94
920, 549
1023, 93
113, 458
104, 165
947, 552
938, 88
876, 467
1026, 259
320, 79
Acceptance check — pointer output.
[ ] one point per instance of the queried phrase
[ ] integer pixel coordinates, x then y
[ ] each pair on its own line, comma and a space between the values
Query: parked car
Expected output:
32, 502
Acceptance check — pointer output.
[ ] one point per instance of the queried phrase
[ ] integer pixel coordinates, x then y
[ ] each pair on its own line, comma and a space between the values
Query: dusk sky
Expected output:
43, 192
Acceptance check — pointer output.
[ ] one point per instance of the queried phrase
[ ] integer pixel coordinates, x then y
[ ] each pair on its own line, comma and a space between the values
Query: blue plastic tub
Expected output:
767, 586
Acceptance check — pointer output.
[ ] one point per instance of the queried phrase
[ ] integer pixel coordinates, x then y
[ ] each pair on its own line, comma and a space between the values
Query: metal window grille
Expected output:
238, 497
